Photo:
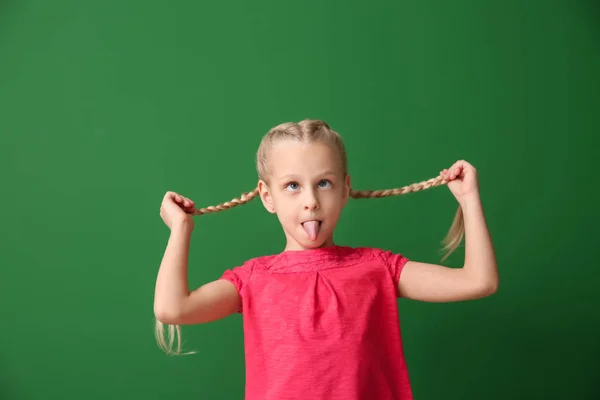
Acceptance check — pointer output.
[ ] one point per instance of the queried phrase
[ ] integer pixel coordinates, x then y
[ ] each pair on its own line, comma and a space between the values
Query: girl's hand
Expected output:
462, 180
176, 209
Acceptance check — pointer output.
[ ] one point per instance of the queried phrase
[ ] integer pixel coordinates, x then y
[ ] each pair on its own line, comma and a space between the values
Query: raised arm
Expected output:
174, 304
479, 275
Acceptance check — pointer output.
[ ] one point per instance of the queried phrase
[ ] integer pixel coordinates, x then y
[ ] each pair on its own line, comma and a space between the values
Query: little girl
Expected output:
320, 319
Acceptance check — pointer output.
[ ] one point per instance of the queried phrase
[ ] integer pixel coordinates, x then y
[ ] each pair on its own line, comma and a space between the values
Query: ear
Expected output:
265, 196
347, 187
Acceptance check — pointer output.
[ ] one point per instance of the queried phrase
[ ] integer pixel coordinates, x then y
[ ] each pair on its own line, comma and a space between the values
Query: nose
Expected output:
311, 202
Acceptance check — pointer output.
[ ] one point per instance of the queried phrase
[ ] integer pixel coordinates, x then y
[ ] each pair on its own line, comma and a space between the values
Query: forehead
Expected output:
292, 157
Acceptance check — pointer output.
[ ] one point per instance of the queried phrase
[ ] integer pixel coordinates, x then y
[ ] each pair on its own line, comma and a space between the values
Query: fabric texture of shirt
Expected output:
322, 324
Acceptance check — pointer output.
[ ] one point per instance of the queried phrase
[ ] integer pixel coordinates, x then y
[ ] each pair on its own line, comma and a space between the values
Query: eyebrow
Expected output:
292, 176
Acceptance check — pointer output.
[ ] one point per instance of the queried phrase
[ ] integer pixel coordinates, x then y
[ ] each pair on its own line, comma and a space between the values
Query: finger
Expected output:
179, 200
169, 195
189, 202
172, 195
464, 165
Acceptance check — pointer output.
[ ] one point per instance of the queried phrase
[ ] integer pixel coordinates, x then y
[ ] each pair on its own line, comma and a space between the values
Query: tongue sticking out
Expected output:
312, 229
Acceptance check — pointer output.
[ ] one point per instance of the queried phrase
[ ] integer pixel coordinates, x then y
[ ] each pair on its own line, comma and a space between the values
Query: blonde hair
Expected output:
313, 131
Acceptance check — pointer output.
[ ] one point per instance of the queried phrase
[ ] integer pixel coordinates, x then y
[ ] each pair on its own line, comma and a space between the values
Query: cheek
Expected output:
285, 207
334, 201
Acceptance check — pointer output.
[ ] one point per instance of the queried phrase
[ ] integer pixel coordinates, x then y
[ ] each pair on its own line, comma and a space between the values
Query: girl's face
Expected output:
307, 190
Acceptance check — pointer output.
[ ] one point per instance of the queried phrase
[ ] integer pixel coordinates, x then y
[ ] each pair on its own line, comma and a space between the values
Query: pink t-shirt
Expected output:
322, 324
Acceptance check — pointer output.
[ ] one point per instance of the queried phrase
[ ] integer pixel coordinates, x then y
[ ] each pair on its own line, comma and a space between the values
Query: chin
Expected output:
320, 242
307, 244
315, 245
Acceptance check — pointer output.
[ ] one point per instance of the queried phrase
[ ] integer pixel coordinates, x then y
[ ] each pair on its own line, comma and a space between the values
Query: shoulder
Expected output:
254, 264
390, 256
241, 274
386, 256
393, 261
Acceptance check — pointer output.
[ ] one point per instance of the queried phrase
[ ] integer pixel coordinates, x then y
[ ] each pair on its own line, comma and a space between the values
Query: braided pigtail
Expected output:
455, 234
244, 198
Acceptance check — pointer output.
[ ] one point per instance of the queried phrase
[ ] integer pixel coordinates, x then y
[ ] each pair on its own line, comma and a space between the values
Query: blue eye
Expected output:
326, 182
323, 184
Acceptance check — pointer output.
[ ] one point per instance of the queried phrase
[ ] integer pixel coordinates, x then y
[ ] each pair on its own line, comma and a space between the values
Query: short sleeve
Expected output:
395, 262
239, 277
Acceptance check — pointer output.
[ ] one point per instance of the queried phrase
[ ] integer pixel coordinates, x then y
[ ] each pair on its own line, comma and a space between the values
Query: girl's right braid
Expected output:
244, 198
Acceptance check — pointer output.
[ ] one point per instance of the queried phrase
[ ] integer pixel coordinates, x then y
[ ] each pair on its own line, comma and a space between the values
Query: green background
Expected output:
104, 106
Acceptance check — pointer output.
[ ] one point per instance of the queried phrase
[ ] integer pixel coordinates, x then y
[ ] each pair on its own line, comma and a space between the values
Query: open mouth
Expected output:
312, 228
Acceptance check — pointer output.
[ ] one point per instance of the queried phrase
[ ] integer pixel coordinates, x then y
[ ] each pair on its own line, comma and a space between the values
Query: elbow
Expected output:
481, 287
488, 288
483, 284
166, 316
